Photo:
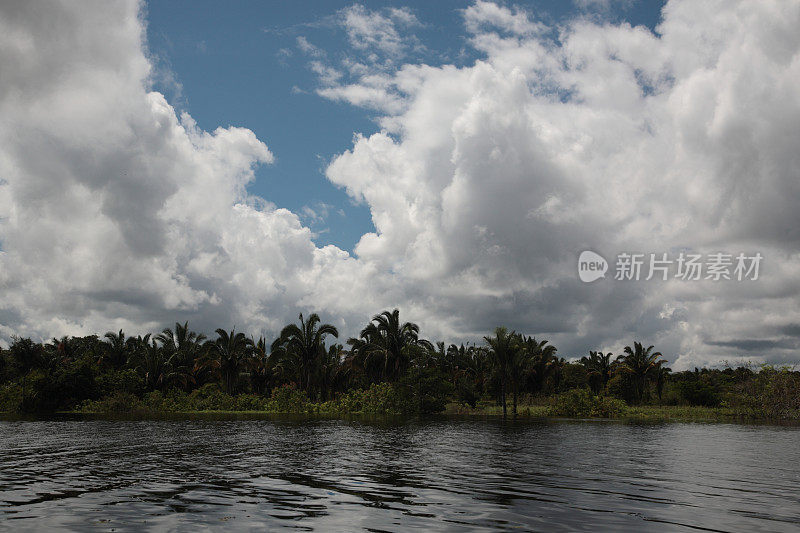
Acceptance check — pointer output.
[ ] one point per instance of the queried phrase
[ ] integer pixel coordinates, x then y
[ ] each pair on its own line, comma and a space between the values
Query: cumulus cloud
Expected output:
379, 41
115, 211
485, 184
493, 177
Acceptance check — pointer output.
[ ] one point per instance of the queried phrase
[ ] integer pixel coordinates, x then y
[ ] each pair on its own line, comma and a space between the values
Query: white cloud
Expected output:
483, 15
378, 40
372, 30
486, 184
117, 213
492, 178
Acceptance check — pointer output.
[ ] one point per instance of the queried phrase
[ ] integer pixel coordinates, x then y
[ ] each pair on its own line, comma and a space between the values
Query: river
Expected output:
442, 474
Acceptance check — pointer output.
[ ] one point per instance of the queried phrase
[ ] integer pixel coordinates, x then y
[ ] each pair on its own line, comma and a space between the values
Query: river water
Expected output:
433, 475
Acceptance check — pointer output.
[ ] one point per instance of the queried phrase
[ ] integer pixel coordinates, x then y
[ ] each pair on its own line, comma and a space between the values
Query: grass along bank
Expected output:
644, 413
387, 400
581, 403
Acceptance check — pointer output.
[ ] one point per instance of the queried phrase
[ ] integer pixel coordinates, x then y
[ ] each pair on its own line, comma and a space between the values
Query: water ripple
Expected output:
443, 474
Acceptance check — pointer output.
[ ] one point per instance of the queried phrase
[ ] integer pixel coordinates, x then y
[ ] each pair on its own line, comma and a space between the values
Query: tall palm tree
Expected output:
518, 368
330, 372
503, 349
598, 368
230, 351
152, 363
458, 362
305, 343
391, 344
262, 367
66, 347
182, 339
642, 364
531, 359
182, 347
470, 366
661, 379
117, 353
542, 361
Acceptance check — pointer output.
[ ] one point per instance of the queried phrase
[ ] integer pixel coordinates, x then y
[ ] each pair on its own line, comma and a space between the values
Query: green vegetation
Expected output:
387, 370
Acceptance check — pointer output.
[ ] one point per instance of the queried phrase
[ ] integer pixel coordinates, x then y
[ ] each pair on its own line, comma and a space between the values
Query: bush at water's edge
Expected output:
378, 399
581, 403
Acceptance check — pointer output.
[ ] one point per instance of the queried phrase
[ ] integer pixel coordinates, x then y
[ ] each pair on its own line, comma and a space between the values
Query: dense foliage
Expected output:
387, 369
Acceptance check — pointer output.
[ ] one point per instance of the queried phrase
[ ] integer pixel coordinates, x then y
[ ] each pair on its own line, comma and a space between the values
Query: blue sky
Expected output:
238, 64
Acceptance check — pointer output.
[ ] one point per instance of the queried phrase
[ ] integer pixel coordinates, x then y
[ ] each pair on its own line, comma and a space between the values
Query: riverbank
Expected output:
646, 413
386, 401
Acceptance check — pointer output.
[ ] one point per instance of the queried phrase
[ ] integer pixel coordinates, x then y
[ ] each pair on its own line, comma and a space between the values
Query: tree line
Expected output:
306, 356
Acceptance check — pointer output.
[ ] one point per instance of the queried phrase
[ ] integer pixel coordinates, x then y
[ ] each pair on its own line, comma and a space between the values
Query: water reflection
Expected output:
386, 476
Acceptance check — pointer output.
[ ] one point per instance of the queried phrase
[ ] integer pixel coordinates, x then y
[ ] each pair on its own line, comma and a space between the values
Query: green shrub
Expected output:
288, 399
608, 407
573, 376
773, 393
581, 403
251, 402
466, 393
175, 400
119, 402
380, 398
621, 386
573, 403
211, 398
424, 391
127, 380
698, 393
10, 398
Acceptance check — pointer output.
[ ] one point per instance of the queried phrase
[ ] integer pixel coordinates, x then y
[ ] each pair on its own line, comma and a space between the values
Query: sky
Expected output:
236, 164
251, 64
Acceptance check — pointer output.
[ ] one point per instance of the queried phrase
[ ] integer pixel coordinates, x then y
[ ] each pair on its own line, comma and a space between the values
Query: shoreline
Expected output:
640, 414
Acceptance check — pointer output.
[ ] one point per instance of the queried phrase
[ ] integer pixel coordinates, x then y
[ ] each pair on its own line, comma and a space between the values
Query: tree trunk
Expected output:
514, 410
503, 394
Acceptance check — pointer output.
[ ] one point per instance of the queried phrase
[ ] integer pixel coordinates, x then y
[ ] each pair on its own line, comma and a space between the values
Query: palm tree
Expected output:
391, 344
458, 362
330, 371
470, 366
230, 351
598, 368
183, 348
152, 363
182, 339
661, 379
67, 347
517, 369
542, 361
262, 367
503, 349
304, 343
642, 364
117, 353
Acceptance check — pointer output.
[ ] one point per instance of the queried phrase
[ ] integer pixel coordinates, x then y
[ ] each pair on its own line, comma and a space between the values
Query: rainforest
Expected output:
387, 370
